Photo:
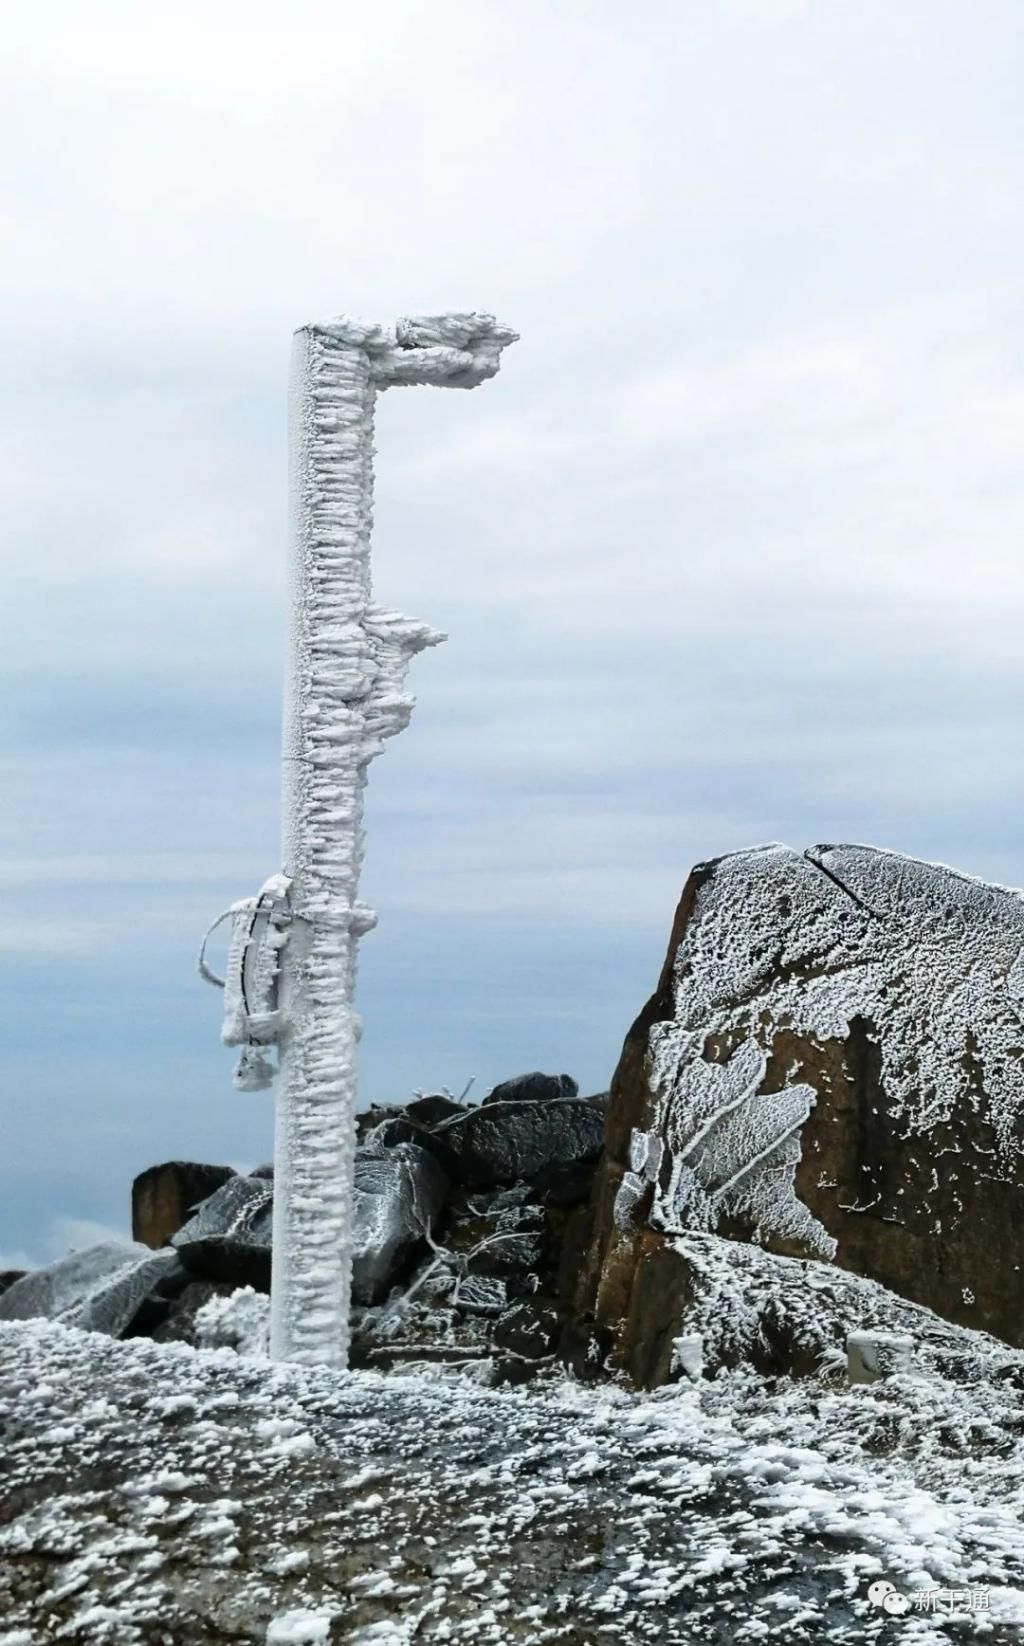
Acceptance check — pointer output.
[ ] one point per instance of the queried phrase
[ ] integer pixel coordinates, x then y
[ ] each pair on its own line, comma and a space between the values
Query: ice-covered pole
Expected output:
347, 662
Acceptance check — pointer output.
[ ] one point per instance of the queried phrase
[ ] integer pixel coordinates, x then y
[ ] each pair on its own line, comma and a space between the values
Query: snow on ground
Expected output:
155, 1494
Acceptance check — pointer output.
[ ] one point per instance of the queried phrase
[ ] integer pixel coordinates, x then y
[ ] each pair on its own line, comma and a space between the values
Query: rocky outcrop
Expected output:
832, 1065
492, 1292
699, 1304
229, 1238
399, 1195
468, 1231
533, 1088
164, 1197
517, 1141
100, 1289
151, 1496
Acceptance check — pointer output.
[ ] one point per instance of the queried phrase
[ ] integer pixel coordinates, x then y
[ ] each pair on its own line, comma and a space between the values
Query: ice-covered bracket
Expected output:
253, 1015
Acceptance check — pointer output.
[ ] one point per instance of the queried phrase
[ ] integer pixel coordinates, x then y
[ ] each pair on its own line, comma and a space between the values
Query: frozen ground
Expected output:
154, 1493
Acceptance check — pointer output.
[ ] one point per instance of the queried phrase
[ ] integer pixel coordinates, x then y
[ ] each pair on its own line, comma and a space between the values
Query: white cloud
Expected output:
15, 1258
112, 869
728, 551
62, 1236
74, 1234
766, 11
22, 937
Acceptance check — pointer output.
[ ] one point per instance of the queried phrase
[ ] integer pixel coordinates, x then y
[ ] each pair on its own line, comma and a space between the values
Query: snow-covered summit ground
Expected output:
155, 1494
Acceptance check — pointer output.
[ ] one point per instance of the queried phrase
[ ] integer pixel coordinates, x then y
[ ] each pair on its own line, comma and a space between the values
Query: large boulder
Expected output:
832, 1065
432, 1108
533, 1088
102, 1288
400, 1192
489, 1291
700, 1303
164, 1197
229, 1238
519, 1141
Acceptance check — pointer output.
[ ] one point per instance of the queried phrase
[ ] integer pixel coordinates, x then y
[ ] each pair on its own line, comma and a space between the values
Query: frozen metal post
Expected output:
291, 974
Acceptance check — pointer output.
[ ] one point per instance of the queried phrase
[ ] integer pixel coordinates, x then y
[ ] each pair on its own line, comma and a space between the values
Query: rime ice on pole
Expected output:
347, 662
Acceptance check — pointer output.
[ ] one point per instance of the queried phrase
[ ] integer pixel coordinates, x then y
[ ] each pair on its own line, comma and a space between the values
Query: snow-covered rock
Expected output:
151, 1494
514, 1142
179, 1325
399, 1194
229, 1237
783, 1316
100, 1289
832, 1065
533, 1088
240, 1321
870, 1355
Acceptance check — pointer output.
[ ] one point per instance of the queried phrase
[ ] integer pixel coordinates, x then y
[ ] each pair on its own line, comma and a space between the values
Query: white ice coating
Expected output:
347, 665
931, 960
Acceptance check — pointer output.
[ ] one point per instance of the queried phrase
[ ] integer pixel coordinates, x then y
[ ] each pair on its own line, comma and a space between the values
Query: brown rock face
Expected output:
163, 1198
832, 1066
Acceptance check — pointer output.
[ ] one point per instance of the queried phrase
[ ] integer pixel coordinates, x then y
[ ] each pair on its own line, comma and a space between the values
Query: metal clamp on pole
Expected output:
253, 1018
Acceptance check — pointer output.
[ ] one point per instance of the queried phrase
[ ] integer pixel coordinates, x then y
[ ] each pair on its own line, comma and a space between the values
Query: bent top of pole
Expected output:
456, 351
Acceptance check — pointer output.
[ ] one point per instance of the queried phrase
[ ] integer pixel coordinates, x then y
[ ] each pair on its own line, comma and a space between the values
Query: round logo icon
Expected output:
895, 1604
879, 1590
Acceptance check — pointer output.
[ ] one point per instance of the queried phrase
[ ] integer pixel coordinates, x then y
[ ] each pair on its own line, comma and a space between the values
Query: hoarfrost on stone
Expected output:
931, 959
424, 1505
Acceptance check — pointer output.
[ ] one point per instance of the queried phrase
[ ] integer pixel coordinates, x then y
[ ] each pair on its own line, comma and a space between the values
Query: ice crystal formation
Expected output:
291, 975
152, 1494
930, 959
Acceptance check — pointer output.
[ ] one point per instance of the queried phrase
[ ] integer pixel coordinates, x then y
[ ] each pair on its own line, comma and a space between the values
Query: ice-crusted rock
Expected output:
164, 1197
399, 1193
229, 1238
492, 1250
871, 1355
152, 1495
782, 1316
179, 1324
239, 1321
401, 1129
398, 1190
514, 1142
100, 1289
833, 1065
533, 1088
432, 1108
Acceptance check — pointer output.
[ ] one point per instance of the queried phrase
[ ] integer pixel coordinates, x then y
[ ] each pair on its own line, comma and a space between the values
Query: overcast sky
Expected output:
730, 551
